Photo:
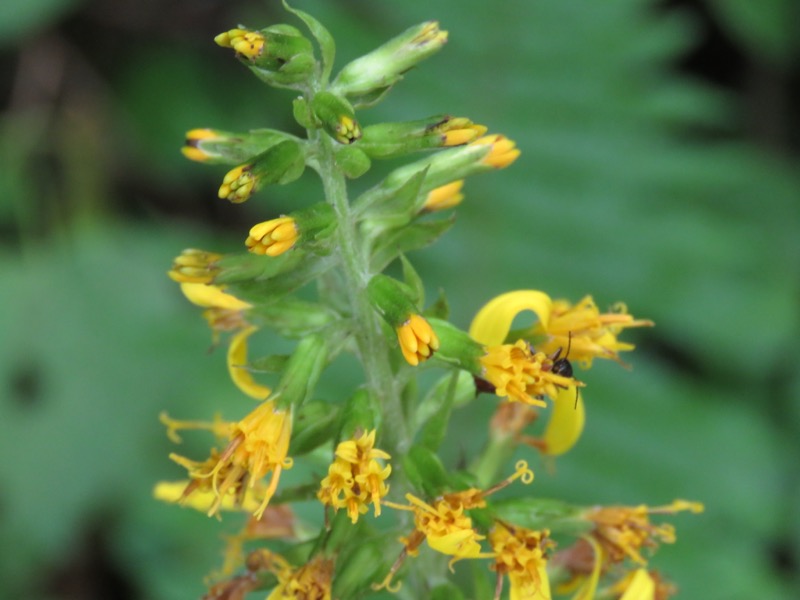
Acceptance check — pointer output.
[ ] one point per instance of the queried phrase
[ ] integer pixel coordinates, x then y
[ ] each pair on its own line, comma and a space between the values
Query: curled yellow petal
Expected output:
212, 296
589, 586
237, 363
641, 587
493, 322
566, 422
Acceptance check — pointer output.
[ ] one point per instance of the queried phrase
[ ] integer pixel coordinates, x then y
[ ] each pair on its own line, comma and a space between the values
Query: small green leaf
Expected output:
405, 239
312, 426
413, 281
542, 513
324, 39
425, 471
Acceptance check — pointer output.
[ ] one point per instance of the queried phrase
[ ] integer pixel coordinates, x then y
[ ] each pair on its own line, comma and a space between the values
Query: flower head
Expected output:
247, 44
273, 237
588, 332
238, 184
444, 197
521, 375
194, 266
192, 149
356, 478
623, 531
347, 130
521, 554
312, 581
418, 341
257, 447
503, 152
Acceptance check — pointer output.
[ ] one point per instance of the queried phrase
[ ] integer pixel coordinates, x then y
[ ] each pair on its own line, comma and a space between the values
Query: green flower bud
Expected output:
457, 348
393, 300
278, 55
388, 140
368, 77
224, 147
302, 113
337, 117
282, 163
352, 161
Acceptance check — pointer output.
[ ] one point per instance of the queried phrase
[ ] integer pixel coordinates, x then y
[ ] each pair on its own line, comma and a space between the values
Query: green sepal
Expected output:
361, 413
393, 300
542, 513
302, 372
315, 224
390, 140
292, 317
413, 281
405, 239
433, 413
443, 167
440, 309
288, 60
352, 161
312, 426
302, 113
425, 471
359, 566
327, 46
456, 347
279, 276
391, 205
446, 591
281, 164
272, 363
330, 110
368, 77
231, 148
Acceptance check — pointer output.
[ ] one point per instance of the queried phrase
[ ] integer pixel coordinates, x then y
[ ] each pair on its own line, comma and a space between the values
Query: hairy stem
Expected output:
372, 346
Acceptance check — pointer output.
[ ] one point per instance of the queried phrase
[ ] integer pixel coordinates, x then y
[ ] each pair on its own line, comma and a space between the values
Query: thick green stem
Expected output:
488, 467
372, 344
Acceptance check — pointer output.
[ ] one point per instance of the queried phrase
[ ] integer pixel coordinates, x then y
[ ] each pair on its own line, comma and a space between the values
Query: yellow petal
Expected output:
237, 363
493, 322
589, 587
566, 422
641, 587
212, 296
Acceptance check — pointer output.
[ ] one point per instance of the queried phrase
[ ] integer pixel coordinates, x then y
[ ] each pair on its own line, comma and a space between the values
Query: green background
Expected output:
659, 166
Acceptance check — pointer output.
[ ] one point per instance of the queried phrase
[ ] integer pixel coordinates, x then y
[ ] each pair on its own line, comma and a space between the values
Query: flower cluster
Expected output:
318, 277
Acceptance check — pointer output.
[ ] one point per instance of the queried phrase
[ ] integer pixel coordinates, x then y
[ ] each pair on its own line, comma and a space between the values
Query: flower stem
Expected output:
372, 346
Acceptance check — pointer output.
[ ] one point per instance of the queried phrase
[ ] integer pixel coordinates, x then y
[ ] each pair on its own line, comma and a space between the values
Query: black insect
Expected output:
562, 366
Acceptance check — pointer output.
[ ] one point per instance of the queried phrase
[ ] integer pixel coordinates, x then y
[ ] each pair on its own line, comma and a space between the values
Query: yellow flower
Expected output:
503, 152
347, 130
444, 197
445, 526
238, 184
249, 44
312, 581
202, 497
623, 531
588, 332
257, 447
417, 339
193, 138
212, 296
637, 585
521, 375
356, 478
194, 266
521, 554
578, 333
461, 131
273, 237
